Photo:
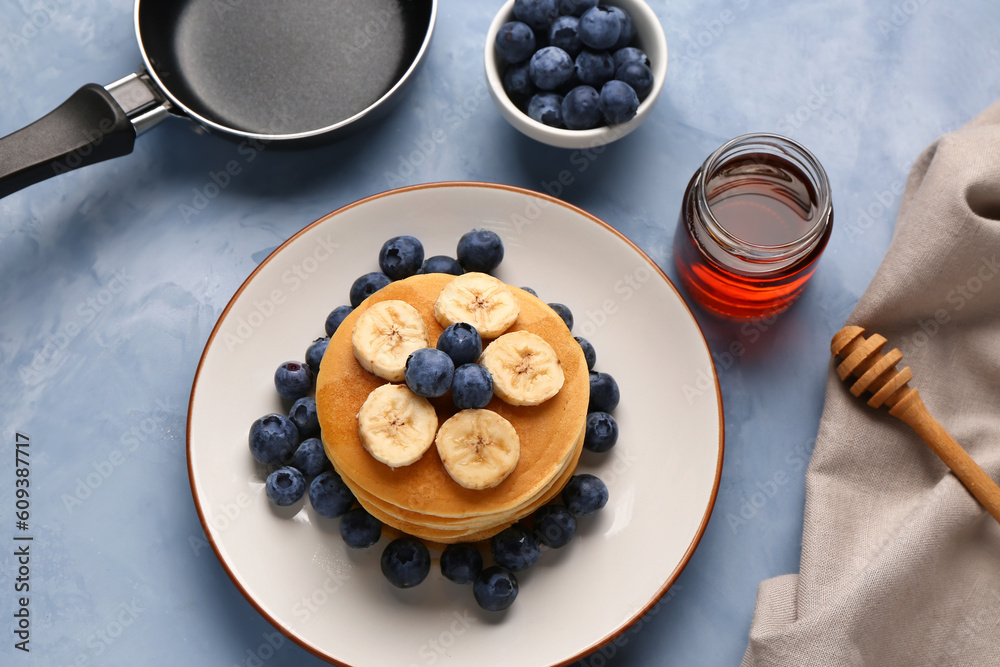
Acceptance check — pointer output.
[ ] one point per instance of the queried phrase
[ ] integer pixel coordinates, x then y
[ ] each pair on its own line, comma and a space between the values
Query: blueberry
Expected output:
405, 562
638, 76
550, 68
575, 7
293, 380
367, 285
573, 82
530, 291
563, 312
589, 353
472, 387
429, 372
303, 415
461, 342
461, 563
554, 526
602, 432
562, 33
618, 102
360, 529
594, 68
584, 494
329, 496
285, 486
630, 54
441, 264
627, 28
546, 108
401, 257
600, 28
518, 84
515, 41
334, 319
495, 588
515, 548
604, 394
310, 457
480, 250
315, 352
273, 439
536, 13
581, 108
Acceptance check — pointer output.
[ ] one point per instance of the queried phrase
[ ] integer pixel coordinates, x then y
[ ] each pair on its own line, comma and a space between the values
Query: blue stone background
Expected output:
110, 291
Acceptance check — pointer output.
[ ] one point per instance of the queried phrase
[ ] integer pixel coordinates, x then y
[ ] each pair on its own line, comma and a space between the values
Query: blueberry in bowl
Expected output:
550, 68
546, 108
515, 41
600, 28
581, 108
618, 101
577, 43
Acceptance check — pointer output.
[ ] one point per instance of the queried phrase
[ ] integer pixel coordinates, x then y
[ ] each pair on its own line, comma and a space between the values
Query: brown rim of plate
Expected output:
463, 184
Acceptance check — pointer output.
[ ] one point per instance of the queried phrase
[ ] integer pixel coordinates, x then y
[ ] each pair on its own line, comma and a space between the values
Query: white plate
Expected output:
663, 474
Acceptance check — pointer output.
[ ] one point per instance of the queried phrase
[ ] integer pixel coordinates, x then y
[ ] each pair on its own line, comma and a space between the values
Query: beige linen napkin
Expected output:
900, 565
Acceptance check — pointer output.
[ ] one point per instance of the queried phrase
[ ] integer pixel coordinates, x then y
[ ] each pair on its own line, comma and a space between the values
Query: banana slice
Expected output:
396, 426
385, 335
525, 368
479, 299
478, 448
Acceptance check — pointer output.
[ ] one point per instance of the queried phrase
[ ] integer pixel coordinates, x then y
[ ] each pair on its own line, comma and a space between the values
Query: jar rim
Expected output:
780, 147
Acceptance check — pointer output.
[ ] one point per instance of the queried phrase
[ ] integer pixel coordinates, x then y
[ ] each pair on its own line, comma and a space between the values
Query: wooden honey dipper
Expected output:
875, 372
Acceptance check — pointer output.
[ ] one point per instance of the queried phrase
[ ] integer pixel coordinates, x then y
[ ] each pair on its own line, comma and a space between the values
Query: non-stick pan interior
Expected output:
281, 67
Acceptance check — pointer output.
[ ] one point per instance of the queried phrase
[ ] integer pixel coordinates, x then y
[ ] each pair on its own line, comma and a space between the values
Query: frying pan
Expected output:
289, 73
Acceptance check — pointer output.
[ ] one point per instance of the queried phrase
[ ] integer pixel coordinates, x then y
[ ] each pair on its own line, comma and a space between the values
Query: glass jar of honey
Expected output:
754, 220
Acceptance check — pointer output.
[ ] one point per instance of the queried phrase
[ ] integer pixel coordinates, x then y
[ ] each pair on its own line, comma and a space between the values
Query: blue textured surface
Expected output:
110, 291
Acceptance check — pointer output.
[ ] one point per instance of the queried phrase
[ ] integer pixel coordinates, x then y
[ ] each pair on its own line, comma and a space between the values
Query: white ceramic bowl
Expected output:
649, 38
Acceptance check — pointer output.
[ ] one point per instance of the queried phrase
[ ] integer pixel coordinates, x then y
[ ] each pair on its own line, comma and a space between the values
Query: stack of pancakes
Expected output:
422, 499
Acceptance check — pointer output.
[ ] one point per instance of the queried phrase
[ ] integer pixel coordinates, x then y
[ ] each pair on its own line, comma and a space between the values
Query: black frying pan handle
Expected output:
87, 128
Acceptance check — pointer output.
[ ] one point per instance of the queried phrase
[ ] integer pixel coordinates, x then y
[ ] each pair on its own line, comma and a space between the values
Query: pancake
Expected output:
472, 534
422, 499
477, 522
